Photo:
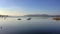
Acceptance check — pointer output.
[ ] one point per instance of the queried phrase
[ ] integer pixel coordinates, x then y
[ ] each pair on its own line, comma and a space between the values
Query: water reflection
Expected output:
33, 26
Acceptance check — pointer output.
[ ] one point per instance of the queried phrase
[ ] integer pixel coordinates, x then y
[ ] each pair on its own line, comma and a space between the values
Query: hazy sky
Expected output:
22, 7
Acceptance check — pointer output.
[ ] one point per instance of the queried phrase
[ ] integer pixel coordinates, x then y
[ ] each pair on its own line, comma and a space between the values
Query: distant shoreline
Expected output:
42, 15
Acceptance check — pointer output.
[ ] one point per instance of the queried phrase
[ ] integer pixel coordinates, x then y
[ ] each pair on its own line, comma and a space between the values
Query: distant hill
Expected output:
42, 15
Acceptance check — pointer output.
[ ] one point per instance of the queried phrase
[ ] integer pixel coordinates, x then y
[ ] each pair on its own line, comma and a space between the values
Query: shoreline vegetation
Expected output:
3, 15
56, 18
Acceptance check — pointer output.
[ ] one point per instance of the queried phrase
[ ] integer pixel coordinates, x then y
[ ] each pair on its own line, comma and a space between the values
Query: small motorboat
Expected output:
29, 19
19, 19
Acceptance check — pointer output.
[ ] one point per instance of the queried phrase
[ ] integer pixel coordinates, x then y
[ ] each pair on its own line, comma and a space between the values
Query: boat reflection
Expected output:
29, 19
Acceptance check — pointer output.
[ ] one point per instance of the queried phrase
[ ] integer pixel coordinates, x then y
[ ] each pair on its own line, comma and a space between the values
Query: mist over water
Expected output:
37, 25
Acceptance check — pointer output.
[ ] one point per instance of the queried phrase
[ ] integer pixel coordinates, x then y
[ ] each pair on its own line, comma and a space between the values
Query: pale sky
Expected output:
22, 7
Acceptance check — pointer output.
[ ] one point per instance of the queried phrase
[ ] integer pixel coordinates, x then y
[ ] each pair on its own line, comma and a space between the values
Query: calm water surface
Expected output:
37, 25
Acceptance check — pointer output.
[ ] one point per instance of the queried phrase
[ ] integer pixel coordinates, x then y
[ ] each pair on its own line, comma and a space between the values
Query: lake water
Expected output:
37, 25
